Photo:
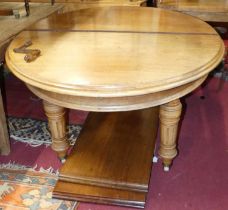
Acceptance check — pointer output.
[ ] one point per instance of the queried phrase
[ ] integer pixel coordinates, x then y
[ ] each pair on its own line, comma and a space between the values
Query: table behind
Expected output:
207, 10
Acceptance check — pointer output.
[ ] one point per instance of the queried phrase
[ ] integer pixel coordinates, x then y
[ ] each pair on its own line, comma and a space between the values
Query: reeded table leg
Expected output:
57, 125
169, 118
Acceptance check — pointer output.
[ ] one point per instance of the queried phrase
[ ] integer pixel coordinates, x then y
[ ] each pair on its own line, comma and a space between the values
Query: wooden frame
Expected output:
4, 137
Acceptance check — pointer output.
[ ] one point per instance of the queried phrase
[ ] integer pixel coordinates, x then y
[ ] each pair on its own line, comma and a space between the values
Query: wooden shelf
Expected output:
93, 194
111, 160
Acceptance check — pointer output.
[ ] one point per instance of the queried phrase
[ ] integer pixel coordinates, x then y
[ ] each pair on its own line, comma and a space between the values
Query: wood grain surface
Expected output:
117, 51
83, 1
198, 5
11, 26
72, 5
207, 10
89, 193
97, 104
118, 55
110, 149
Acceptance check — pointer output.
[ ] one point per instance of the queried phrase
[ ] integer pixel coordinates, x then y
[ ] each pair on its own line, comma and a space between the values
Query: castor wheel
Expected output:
62, 160
166, 168
155, 159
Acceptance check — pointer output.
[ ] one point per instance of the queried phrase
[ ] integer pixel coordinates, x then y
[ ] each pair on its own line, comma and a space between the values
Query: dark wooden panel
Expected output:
114, 150
89, 193
6, 12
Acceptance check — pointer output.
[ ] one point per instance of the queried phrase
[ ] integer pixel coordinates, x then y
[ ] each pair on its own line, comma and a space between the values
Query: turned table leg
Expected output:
57, 126
169, 118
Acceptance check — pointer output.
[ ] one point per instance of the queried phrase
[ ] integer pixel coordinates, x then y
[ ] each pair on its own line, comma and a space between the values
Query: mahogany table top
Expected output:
116, 51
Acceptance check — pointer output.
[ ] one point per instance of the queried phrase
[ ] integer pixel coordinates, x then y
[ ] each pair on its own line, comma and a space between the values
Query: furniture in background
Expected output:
215, 12
224, 72
78, 4
73, 5
207, 10
9, 28
19, 12
110, 60
4, 137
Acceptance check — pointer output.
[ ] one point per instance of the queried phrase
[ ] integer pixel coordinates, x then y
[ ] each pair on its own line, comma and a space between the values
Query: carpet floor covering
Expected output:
198, 179
28, 189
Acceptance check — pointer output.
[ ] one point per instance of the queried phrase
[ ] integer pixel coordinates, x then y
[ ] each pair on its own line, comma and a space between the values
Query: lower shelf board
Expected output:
111, 160
102, 195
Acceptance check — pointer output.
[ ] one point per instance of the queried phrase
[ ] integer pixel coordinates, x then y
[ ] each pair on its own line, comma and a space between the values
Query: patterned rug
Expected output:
35, 132
29, 173
23, 187
26, 189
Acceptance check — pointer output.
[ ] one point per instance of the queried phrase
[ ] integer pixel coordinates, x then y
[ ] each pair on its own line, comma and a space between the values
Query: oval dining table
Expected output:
116, 59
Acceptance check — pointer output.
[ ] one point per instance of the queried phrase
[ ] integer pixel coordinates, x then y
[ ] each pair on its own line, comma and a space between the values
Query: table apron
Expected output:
129, 103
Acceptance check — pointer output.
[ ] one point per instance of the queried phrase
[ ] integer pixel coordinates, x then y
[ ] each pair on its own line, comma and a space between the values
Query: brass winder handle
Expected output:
31, 54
